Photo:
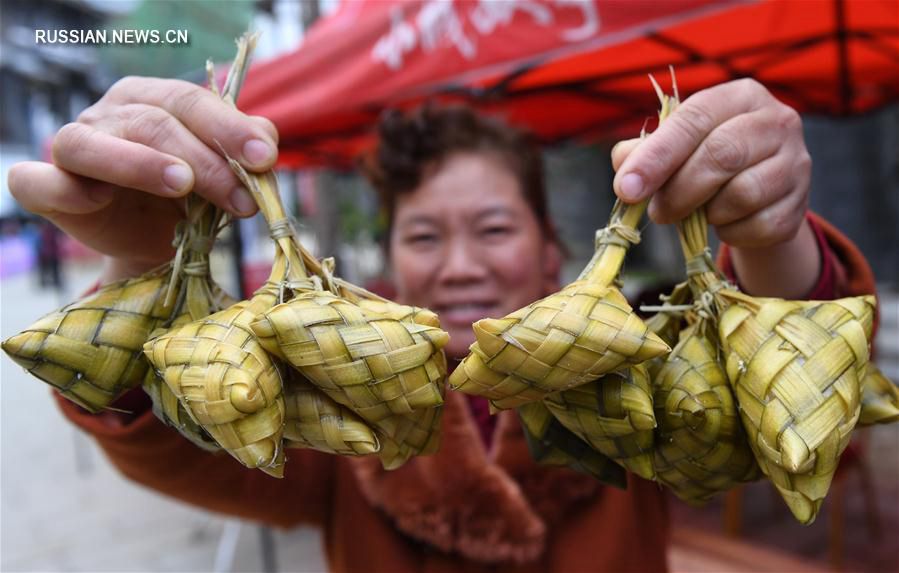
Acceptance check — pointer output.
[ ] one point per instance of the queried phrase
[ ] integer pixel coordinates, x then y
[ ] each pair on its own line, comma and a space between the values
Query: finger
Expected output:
755, 189
731, 148
46, 190
665, 150
621, 150
267, 125
86, 209
771, 226
155, 128
249, 141
84, 150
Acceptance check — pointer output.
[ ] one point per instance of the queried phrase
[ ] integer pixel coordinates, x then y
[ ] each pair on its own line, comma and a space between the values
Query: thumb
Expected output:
46, 190
621, 151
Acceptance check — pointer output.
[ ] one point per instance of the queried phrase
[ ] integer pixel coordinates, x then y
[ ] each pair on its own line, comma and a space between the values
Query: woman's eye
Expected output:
421, 239
496, 231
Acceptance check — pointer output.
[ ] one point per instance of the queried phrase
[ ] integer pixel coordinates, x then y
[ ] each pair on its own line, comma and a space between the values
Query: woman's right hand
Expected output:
119, 169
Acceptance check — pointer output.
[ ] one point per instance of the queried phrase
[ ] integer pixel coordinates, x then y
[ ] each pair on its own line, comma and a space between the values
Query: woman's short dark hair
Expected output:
412, 144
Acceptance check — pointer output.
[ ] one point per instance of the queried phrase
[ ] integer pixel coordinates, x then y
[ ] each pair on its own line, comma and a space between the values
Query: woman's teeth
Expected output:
469, 306
465, 312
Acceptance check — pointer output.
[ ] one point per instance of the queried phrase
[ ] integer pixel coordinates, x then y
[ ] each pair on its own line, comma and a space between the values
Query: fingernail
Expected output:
257, 152
178, 177
631, 186
653, 211
100, 195
242, 202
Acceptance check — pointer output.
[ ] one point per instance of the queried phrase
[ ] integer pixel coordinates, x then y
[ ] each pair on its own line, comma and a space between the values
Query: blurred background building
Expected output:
855, 185
43, 86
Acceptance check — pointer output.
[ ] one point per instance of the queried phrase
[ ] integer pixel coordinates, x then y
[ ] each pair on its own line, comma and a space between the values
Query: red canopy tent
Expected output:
566, 68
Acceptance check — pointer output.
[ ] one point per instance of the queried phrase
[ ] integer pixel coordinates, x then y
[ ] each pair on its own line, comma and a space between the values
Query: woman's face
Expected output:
466, 245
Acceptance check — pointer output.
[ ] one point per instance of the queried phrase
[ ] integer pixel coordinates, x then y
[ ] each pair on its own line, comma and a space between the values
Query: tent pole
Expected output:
843, 57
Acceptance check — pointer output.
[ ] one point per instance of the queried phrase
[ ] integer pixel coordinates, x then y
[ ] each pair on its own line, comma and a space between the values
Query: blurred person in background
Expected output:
470, 237
49, 255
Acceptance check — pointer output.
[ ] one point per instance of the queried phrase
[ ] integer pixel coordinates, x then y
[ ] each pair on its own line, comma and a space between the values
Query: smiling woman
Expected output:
470, 236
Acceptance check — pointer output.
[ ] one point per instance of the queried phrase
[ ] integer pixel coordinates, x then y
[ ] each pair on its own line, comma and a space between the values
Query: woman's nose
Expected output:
463, 263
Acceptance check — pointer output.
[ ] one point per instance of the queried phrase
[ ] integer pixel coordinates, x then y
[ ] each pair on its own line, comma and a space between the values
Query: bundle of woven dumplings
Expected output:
716, 389
309, 361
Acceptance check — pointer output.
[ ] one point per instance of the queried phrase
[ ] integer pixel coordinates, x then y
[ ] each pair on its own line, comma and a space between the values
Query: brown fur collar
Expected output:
486, 506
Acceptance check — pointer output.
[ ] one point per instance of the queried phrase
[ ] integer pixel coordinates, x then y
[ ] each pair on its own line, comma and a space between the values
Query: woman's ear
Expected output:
552, 266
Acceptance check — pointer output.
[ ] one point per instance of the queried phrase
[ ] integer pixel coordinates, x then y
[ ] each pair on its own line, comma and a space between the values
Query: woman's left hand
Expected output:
734, 148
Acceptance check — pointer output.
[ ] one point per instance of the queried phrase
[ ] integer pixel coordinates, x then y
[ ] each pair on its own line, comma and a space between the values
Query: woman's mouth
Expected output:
466, 313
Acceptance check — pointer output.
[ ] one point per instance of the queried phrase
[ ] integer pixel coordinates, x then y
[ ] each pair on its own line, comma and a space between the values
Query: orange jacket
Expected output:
462, 509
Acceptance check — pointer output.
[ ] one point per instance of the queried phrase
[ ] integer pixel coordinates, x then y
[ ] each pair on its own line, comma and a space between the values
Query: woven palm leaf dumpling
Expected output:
552, 444
613, 413
402, 433
366, 360
880, 398
166, 405
417, 432
701, 448
569, 338
373, 363
364, 357
231, 379
221, 373
304, 279
314, 420
226, 380
394, 438
90, 351
561, 341
200, 298
796, 369
218, 371
197, 298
